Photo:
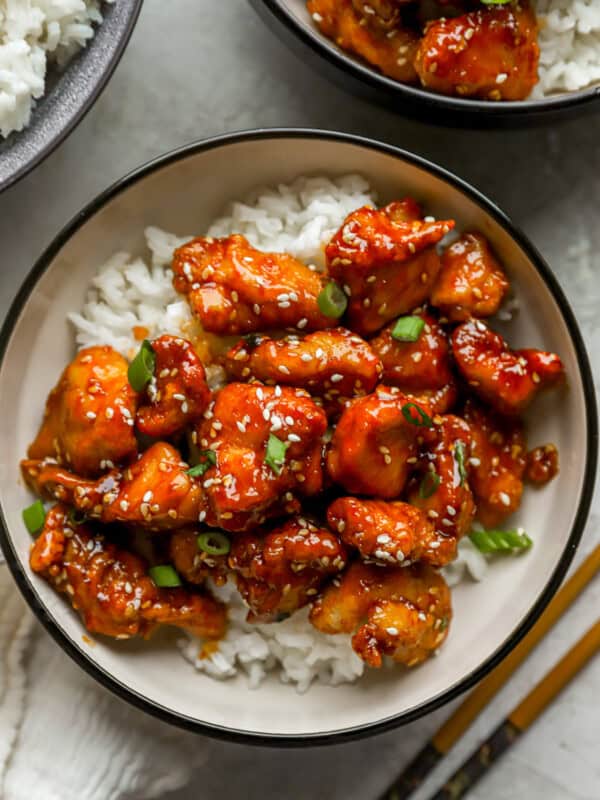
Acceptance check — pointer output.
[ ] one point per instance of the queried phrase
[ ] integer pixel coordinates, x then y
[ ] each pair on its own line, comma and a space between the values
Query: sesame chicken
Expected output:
88, 422
333, 365
268, 445
471, 282
400, 612
542, 464
155, 493
235, 289
283, 571
178, 394
110, 587
506, 379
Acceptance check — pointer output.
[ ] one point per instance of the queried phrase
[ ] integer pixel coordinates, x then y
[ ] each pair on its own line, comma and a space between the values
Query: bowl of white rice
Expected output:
56, 56
108, 273
568, 72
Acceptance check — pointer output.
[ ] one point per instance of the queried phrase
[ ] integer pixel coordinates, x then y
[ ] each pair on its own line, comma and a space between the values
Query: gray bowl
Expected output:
69, 94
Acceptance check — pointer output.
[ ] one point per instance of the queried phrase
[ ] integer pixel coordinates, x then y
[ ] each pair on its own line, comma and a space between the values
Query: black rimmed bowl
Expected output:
291, 22
70, 93
182, 192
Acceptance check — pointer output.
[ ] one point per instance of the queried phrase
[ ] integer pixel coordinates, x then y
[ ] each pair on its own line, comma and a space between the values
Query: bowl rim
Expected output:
84, 659
361, 71
29, 164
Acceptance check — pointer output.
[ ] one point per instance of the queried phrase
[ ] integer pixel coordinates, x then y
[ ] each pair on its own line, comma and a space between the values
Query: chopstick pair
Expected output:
522, 716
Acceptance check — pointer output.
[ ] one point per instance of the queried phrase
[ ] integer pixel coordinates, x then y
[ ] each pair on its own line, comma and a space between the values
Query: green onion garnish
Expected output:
422, 420
165, 576
76, 517
275, 455
34, 517
408, 329
459, 454
500, 541
429, 485
210, 460
141, 369
214, 543
495, 2
332, 301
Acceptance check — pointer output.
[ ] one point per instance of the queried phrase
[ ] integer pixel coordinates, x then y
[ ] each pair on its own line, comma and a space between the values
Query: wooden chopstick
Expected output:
451, 731
521, 717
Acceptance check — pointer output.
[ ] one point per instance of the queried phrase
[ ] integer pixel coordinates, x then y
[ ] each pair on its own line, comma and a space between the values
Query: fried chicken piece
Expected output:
234, 288
471, 282
497, 463
441, 489
383, 43
282, 571
247, 423
333, 365
155, 493
374, 445
490, 53
88, 423
403, 613
421, 366
542, 464
386, 533
178, 393
110, 587
192, 563
506, 379
386, 261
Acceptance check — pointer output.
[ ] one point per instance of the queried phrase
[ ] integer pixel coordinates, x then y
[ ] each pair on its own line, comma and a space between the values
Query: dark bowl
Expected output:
70, 94
291, 22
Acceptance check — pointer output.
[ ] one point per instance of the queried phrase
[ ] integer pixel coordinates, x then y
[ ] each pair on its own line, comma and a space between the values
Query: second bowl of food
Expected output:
469, 62
316, 412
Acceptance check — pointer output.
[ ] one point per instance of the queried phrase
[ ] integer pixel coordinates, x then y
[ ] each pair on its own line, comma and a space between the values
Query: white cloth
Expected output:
63, 737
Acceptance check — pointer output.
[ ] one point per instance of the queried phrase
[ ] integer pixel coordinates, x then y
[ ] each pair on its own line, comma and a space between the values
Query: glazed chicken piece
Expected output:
88, 423
178, 394
506, 379
386, 261
376, 37
374, 445
192, 563
110, 587
441, 488
333, 365
234, 288
386, 533
542, 464
268, 447
491, 53
420, 368
282, 571
403, 613
471, 282
497, 463
155, 493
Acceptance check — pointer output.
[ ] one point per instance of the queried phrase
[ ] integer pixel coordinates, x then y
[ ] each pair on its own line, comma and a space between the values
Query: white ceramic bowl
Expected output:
183, 192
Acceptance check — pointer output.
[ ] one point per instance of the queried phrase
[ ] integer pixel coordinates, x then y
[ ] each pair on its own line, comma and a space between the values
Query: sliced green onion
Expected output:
199, 469
444, 622
500, 541
165, 576
495, 2
422, 420
275, 455
332, 301
141, 369
34, 517
429, 485
408, 329
76, 517
214, 543
459, 454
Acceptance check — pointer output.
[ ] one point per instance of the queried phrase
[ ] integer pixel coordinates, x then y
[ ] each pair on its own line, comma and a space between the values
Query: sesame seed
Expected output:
336, 377
292, 437
302, 323
504, 498
109, 412
392, 631
91, 415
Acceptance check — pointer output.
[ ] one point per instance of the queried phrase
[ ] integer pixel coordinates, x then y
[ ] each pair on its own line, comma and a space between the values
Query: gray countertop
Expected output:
196, 68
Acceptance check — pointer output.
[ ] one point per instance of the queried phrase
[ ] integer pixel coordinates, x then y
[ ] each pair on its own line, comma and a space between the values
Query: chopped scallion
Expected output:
275, 455
459, 454
141, 369
210, 459
429, 485
214, 543
76, 517
34, 517
332, 301
408, 329
494, 541
165, 576
422, 420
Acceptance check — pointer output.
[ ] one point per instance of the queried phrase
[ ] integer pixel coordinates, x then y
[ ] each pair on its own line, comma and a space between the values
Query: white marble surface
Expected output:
196, 68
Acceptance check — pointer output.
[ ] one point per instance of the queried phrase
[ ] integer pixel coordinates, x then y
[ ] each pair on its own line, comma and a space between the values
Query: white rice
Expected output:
33, 35
300, 219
